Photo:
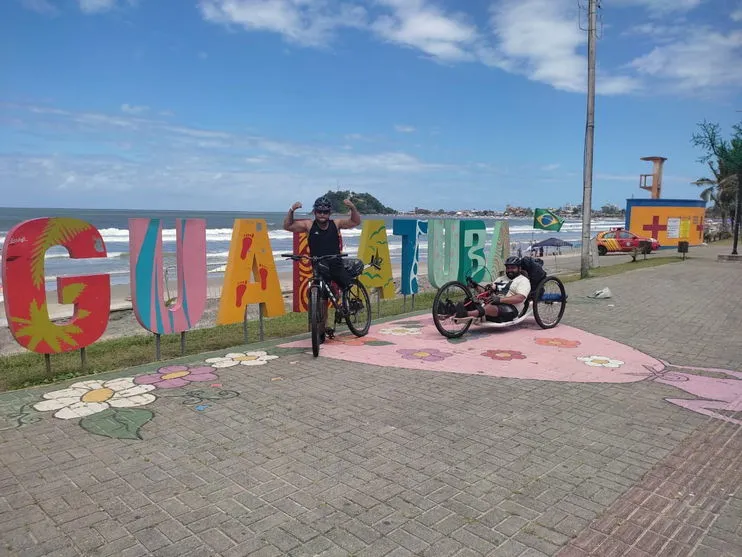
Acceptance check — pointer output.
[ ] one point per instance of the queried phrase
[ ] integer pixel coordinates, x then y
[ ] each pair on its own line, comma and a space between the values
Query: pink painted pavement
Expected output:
529, 352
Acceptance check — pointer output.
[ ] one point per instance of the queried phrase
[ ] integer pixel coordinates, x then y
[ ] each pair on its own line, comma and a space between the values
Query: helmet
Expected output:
512, 260
323, 203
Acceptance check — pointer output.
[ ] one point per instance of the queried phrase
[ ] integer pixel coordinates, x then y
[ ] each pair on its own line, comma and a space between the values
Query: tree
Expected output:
610, 210
724, 158
366, 203
722, 197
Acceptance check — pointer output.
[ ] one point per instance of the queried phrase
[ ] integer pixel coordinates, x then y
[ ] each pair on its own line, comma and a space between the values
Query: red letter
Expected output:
25, 295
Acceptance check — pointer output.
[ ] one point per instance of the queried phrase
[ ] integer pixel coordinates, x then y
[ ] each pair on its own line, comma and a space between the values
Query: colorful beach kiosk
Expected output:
669, 221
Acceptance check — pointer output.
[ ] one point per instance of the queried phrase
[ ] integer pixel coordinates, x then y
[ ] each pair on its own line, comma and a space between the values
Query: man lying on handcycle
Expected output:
508, 295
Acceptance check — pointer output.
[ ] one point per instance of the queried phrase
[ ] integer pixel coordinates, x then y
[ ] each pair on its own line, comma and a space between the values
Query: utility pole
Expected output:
587, 172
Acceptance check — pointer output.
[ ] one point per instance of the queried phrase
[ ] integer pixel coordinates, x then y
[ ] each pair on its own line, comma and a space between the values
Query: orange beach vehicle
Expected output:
619, 239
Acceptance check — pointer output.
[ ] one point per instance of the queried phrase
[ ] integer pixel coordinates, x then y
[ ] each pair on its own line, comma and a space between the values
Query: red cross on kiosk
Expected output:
655, 227
699, 226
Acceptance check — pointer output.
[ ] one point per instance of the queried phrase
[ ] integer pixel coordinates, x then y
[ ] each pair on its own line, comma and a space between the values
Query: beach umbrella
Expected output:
551, 243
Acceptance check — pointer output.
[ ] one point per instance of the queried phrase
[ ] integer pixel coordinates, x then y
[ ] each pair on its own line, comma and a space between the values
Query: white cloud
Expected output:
736, 15
421, 25
208, 168
402, 128
541, 39
306, 22
701, 60
96, 6
43, 7
661, 8
133, 109
389, 162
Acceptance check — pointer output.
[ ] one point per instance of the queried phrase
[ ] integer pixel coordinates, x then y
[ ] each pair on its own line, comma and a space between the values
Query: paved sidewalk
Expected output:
301, 456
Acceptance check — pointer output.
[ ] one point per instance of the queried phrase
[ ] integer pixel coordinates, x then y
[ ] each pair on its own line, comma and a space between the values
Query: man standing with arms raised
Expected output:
324, 238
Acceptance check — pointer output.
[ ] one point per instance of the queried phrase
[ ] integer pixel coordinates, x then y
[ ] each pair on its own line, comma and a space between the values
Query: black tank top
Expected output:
324, 242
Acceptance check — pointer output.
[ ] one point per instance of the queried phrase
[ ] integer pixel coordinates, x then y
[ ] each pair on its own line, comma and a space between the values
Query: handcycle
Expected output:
546, 303
350, 307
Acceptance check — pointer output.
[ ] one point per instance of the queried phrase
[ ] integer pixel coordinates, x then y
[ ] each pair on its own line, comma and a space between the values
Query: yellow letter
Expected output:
373, 244
250, 257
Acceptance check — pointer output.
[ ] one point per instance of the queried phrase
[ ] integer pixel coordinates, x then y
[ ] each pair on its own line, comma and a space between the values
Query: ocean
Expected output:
113, 226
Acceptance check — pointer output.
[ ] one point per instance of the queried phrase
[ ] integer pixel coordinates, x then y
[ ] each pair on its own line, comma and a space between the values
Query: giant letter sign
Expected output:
147, 280
410, 230
25, 293
443, 251
302, 273
472, 260
250, 257
374, 244
499, 249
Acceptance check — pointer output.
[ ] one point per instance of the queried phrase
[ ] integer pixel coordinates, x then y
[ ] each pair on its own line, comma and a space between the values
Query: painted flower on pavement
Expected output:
401, 331
558, 342
504, 355
171, 377
600, 361
90, 397
424, 354
253, 358
352, 340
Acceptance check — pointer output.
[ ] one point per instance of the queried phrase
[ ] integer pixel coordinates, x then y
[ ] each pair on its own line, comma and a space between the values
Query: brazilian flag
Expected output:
546, 220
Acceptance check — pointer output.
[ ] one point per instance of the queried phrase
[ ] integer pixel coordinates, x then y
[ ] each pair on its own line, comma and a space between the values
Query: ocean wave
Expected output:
121, 235
109, 255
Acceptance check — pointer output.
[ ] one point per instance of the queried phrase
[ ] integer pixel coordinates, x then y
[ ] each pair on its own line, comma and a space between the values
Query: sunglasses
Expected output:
322, 212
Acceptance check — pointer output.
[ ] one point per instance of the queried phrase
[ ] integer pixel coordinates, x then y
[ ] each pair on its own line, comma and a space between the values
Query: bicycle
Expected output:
354, 297
546, 303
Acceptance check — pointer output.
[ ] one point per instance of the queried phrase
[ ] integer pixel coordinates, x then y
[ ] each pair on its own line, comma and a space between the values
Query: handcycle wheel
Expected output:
444, 309
357, 308
315, 317
549, 302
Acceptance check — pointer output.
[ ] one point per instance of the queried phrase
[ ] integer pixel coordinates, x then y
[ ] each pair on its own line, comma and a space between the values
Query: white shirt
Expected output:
519, 285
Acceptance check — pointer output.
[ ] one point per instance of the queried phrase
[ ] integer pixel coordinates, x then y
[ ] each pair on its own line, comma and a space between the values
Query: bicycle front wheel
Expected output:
315, 317
444, 309
357, 308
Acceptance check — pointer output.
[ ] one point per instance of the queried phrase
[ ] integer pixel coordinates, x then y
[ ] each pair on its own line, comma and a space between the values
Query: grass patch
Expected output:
28, 369
619, 268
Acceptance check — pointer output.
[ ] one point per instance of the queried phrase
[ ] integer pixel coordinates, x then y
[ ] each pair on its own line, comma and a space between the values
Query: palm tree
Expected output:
722, 196
724, 158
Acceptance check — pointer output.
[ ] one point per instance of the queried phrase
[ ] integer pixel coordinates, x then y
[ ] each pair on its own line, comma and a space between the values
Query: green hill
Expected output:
366, 203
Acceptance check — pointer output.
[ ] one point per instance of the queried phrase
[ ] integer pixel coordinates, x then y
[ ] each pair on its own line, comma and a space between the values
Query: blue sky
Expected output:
253, 104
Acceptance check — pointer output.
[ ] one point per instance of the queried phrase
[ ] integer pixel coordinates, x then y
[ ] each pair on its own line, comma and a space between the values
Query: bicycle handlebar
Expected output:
297, 257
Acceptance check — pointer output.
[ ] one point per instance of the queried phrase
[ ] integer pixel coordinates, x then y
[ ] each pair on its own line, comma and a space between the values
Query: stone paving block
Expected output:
216, 540
509, 548
449, 524
61, 547
151, 538
461, 456
181, 547
379, 548
531, 552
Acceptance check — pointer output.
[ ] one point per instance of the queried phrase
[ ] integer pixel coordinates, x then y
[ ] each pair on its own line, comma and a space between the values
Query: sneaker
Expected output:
330, 333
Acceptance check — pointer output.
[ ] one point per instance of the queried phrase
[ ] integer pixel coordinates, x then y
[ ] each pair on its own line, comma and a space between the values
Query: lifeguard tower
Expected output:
655, 186
669, 221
